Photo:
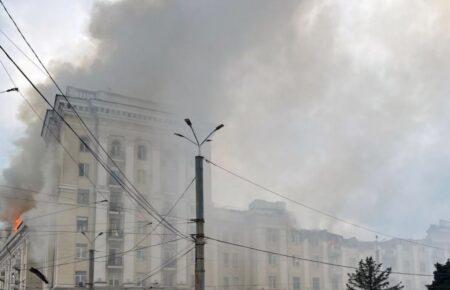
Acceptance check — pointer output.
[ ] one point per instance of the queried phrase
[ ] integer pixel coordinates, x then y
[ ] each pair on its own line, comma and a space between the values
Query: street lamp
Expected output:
10, 90
91, 258
197, 143
199, 219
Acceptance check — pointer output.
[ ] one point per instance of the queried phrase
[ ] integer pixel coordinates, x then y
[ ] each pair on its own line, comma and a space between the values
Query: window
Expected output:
235, 281
115, 225
272, 236
83, 196
83, 169
80, 278
226, 260
335, 283
168, 278
314, 241
141, 176
83, 147
114, 258
235, 260
82, 224
114, 278
142, 152
115, 177
272, 259
140, 279
81, 251
316, 283
115, 202
272, 282
295, 237
169, 260
115, 149
296, 283
140, 255
226, 282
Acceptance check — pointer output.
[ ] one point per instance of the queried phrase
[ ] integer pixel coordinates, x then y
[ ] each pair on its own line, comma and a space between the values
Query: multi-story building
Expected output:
89, 209
129, 243
269, 226
16, 259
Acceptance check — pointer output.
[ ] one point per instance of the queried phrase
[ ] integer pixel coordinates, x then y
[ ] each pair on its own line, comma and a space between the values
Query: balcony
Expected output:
114, 261
115, 234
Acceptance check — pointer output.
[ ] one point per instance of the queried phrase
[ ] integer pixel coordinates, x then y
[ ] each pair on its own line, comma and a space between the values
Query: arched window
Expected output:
142, 152
115, 148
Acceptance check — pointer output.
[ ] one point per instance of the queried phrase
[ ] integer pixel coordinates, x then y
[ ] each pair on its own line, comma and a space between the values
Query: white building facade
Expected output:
133, 251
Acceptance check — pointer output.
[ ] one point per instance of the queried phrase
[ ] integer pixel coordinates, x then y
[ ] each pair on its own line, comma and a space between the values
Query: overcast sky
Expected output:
341, 106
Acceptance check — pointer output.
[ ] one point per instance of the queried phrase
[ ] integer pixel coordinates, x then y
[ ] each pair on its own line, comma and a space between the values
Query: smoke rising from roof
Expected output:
341, 104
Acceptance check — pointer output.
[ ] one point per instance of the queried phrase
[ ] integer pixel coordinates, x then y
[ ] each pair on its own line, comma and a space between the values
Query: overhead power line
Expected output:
118, 254
319, 211
160, 267
21, 51
167, 213
139, 199
305, 259
139, 195
51, 132
131, 210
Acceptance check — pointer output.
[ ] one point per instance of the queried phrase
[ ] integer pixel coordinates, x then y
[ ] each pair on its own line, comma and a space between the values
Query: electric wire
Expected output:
160, 267
168, 212
125, 209
119, 254
51, 132
58, 141
101, 162
319, 210
305, 259
92, 135
21, 51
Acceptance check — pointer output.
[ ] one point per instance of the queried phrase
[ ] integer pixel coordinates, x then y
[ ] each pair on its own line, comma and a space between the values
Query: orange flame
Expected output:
17, 223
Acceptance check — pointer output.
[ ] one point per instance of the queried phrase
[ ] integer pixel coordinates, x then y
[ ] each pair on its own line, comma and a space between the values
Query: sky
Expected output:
342, 106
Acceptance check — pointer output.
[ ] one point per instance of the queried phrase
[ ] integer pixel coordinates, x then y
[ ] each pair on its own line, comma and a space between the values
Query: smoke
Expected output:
340, 104
24, 174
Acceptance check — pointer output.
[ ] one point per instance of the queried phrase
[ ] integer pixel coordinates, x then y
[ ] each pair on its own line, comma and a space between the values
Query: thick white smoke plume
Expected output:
340, 104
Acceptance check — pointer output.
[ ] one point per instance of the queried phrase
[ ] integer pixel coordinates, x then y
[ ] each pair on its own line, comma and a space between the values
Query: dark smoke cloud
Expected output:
342, 105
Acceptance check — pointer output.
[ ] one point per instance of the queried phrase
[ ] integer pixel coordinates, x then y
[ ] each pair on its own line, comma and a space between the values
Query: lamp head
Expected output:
219, 127
188, 122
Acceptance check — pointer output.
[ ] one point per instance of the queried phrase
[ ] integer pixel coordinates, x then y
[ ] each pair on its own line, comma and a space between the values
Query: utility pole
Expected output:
377, 250
91, 259
199, 238
91, 268
199, 222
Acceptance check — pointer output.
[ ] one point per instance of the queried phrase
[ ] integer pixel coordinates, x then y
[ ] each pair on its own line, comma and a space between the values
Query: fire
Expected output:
17, 223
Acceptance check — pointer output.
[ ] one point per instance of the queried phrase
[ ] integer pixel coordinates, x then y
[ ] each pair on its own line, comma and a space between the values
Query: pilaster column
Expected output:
101, 216
129, 218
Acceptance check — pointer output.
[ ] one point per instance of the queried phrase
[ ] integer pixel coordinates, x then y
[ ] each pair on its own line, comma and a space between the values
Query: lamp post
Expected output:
9, 90
199, 219
91, 258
